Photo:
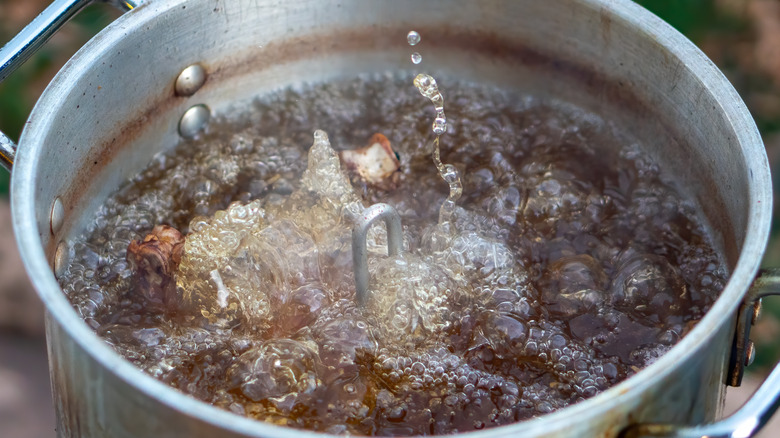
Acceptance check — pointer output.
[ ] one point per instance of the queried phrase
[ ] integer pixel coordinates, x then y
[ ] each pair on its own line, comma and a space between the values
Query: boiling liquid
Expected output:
568, 265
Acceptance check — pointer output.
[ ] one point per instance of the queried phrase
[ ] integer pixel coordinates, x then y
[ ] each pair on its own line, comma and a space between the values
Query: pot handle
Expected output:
31, 38
757, 411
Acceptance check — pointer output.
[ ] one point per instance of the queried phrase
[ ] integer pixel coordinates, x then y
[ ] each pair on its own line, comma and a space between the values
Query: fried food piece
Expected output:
154, 262
376, 164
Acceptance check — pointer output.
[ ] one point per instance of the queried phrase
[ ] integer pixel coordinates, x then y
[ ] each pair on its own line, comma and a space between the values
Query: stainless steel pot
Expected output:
116, 104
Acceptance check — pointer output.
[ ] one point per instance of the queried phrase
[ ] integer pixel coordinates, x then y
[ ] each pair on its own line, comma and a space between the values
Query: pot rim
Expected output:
23, 198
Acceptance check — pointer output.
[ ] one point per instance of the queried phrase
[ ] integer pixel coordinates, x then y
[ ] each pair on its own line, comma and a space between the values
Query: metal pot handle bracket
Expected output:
757, 411
31, 38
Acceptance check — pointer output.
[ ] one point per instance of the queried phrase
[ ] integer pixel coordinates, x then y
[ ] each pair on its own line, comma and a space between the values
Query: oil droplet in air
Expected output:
413, 38
428, 87
416, 58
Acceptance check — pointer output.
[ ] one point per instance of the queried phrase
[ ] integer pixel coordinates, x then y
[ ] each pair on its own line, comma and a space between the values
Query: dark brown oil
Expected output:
566, 266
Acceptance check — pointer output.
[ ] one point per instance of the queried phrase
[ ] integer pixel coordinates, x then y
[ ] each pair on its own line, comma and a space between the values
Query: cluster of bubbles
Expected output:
243, 263
565, 265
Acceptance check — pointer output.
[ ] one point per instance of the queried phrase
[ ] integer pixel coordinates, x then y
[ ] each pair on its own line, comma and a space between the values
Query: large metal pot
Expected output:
114, 106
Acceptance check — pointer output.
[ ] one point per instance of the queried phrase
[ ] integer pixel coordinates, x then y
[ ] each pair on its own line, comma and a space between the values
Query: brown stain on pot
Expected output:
470, 42
605, 19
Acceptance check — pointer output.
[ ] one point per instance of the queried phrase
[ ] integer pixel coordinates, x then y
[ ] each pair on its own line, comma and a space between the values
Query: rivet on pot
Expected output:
57, 216
190, 80
60, 259
750, 353
194, 120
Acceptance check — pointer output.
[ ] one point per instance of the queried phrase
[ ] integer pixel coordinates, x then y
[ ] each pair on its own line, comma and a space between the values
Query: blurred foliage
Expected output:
766, 337
695, 19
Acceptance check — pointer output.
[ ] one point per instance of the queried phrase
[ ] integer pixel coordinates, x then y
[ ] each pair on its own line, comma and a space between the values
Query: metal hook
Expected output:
359, 251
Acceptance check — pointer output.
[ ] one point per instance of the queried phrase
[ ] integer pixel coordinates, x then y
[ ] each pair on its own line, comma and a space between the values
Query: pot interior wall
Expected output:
122, 110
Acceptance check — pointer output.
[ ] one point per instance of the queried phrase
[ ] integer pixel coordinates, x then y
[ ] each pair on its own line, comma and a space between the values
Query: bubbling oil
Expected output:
562, 265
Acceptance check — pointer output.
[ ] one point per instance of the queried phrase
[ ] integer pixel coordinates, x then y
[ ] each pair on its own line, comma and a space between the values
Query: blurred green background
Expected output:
741, 36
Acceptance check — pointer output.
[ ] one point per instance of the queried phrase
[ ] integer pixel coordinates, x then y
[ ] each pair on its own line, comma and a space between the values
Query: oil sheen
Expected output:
547, 260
